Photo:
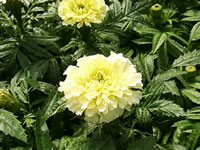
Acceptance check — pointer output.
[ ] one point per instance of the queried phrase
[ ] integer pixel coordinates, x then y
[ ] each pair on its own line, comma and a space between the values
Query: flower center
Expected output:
100, 76
81, 6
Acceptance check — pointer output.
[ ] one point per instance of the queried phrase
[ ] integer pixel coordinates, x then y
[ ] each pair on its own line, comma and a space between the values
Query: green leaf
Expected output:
54, 71
52, 105
194, 113
23, 60
158, 39
193, 95
191, 15
43, 140
143, 115
147, 143
126, 6
192, 139
170, 87
41, 39
166, 108
195, 32
38, 69
143, 40
172, 147
169, 74
144, 29
35, 49
163, 58
148, 66
145, 65
10, 125
190, 58
42, 86
176, 46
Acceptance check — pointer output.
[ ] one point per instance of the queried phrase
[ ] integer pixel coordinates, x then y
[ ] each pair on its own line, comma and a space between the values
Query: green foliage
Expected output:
36, 48
10, 125
143, 144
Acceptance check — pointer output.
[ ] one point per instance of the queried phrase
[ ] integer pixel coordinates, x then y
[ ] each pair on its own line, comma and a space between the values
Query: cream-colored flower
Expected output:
101, 87
82, 12
3, 1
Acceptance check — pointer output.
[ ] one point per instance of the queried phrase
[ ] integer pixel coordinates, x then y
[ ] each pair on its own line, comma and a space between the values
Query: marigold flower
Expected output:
101, 87
82, 12
3, 1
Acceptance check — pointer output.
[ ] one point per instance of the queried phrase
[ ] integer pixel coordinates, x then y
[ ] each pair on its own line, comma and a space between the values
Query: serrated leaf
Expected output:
158, 39
145, 65
43, 140
169, 74
10, 125
166, 108
190, 58
42, 86
195, 32
143, 115
193, 95
170, 87
52, 104
147, 143
180, 48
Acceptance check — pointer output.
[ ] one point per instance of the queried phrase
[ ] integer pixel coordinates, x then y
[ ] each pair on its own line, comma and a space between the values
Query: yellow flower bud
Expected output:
156, 7
5, 98
190, 68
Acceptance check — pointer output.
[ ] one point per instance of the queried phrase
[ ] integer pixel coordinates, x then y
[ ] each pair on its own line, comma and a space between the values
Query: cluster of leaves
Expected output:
35, 49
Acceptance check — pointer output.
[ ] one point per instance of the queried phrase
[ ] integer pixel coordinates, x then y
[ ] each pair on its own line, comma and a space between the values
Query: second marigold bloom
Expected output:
101, 87
82, 12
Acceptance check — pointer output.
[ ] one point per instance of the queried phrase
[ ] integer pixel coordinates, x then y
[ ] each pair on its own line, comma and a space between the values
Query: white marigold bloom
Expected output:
101, 87
82, 12
3, 1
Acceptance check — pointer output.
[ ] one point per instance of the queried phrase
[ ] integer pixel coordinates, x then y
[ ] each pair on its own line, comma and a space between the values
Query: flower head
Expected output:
3, 1
82, 12
101, 87
5, 98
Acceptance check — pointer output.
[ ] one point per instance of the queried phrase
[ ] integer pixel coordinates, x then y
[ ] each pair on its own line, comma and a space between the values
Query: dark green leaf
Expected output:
10, 125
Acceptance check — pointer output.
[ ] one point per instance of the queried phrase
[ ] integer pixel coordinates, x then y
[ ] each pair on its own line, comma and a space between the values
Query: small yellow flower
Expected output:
101, 87
5, 98
190, 68
82, 12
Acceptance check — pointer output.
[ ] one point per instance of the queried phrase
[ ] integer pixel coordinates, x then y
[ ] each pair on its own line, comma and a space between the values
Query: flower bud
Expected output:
190, 68
5, 98
156, 14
